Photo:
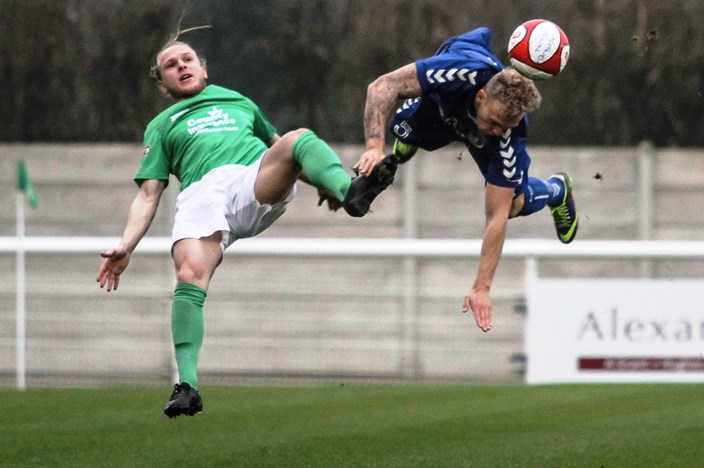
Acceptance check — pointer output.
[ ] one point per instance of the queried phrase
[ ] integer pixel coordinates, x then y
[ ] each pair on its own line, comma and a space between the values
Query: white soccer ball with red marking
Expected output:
538, 49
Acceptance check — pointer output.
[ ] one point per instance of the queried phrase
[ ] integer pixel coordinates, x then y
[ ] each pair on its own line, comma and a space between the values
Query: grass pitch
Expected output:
356, 425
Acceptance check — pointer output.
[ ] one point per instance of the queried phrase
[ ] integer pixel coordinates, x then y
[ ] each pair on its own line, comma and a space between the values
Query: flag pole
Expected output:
21, 340
26, 190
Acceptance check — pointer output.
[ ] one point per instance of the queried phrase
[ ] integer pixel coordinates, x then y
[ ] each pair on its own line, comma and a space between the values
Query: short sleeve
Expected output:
155, 161
261, 126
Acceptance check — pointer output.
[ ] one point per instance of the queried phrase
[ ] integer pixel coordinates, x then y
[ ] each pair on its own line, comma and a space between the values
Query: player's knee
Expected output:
300, 131
186, 273
293, 136
286, 145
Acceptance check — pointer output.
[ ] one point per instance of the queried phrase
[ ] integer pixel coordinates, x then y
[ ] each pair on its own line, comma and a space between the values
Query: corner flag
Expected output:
26, 191
24, 184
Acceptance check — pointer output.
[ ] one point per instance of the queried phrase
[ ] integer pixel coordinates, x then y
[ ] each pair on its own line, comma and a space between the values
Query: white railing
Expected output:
381, 247
532, 250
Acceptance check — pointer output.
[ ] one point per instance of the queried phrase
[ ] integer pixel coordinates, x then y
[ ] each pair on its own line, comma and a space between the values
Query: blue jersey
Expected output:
444, 113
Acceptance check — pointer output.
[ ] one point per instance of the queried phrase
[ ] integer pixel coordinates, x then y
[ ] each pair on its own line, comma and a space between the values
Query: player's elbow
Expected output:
374, 88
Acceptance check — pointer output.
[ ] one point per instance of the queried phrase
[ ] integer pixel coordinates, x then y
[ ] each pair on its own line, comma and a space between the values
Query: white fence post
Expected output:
646, 187
410, 365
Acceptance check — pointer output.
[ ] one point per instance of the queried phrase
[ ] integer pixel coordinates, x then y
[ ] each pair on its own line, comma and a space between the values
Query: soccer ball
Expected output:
538, 49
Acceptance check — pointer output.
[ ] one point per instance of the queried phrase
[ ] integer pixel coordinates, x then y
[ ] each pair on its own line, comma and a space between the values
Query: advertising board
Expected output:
614, 331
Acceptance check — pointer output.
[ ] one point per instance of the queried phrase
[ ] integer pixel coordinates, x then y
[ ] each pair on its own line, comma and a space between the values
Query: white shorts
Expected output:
223, 200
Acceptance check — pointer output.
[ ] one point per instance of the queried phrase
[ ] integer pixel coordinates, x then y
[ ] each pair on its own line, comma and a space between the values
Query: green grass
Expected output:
357, 425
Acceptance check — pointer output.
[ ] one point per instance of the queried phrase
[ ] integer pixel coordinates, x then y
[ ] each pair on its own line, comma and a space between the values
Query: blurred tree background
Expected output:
77, 70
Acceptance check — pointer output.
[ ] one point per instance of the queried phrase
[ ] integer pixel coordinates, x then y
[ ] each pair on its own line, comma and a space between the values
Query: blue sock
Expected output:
556, 190
537, 194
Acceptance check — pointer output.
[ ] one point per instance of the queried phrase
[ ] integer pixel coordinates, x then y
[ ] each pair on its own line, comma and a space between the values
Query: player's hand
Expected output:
333, 203
116, 261
369, 159
480, 302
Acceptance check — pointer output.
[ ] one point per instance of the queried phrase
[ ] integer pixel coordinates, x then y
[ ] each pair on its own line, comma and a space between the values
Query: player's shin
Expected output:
536, 196
187, 330
321, 165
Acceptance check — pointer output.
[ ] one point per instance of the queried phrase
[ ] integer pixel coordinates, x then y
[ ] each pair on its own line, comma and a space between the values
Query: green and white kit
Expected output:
213, 144
194, 136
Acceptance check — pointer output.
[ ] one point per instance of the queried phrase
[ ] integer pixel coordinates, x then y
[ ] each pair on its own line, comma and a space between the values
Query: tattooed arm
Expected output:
382, 98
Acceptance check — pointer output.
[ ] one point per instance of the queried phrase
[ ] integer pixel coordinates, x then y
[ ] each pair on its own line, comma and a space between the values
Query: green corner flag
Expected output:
24, 184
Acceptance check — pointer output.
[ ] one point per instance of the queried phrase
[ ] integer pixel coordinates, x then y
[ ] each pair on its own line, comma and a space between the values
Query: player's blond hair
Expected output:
154, 71
517, 92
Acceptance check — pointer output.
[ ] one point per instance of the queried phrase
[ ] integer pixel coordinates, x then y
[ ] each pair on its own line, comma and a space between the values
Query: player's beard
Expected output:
178, 94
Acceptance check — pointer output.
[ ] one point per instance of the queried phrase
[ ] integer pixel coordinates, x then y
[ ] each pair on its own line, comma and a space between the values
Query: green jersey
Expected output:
189, 139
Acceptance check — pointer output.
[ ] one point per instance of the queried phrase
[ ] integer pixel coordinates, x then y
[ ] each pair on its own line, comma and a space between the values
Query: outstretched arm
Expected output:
382, 98
497, 207
139, 218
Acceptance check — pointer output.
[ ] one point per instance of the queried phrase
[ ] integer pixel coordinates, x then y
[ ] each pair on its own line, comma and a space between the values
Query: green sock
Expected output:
322, 166
187, 330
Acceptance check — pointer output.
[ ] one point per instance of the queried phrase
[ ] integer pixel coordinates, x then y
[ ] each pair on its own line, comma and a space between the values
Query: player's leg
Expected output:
562, 207
195, 261
556, 193
403, 151
295, 151
416, 123
535, 195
